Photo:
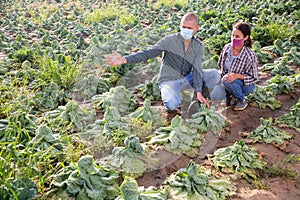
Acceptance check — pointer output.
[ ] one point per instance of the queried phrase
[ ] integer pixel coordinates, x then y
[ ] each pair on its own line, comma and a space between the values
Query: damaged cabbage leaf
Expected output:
86, 180
132, 160
177, 138
92, 130
148, 113
206, 120
194, 182
238, 158
86, 87
276, 48
291, 119
115, 128
267, 133
150, 90
293, 56
263, 96
119, 97
50, 96
278, 67
46, 140
70, 114
130, 190
23, 188
103, 86
282, 68
263, 57
280, 84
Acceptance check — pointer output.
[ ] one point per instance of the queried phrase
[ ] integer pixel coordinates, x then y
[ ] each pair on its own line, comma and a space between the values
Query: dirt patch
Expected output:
277, 188
248, 120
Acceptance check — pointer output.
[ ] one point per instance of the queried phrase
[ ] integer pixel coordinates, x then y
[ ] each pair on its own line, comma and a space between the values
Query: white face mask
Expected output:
186, 33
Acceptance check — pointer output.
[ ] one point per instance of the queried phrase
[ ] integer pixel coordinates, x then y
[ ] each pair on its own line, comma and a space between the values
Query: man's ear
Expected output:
196, 29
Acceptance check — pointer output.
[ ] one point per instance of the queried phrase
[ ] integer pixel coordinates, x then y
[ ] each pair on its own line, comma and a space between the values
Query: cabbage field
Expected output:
72, 127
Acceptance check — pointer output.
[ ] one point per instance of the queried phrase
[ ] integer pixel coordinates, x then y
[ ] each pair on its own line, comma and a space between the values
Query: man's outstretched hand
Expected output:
114, 59
202, 99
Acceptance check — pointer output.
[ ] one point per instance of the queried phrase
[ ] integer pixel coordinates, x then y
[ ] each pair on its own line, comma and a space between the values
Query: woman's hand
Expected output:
202, 99
233, 76
114, 59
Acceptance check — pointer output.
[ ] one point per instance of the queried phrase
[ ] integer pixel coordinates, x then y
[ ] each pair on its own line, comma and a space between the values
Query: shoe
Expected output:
241, 105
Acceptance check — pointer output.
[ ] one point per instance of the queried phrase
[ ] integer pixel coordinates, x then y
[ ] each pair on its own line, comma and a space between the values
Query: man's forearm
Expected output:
142, 55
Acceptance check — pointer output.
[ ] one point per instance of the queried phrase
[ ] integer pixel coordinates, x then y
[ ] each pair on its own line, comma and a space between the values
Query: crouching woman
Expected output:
238, 66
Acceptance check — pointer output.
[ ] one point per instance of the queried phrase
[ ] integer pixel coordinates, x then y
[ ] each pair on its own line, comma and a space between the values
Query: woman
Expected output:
238, 65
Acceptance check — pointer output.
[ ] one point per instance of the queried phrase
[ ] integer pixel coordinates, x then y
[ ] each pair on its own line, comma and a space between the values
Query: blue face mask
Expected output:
186, 33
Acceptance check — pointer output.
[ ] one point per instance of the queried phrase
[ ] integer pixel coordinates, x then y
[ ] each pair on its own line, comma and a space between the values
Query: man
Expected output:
181, 66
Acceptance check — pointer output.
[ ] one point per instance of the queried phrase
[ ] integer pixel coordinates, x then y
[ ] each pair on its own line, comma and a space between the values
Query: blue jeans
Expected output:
170, 90
237, 88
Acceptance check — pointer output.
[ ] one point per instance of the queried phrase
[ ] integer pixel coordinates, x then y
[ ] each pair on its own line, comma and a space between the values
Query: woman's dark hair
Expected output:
246, 30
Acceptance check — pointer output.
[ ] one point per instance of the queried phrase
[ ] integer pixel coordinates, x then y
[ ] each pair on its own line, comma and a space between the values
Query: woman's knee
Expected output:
249, 89
224, 83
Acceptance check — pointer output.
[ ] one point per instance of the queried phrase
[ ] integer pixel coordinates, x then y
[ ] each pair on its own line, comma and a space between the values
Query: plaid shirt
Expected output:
245, 63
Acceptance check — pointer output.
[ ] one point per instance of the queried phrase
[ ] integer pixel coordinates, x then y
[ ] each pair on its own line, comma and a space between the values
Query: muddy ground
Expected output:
240, 122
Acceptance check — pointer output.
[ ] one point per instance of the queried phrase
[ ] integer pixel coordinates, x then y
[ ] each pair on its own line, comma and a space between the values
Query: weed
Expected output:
293, 158
259, 184
63, 74
75, 150
106, 13
141, 128
279, 170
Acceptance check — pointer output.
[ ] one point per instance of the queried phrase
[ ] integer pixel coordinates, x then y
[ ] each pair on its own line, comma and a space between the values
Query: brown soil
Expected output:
276, 188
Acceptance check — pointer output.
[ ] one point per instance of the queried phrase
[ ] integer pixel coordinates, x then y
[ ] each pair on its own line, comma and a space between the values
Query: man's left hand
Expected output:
202, 99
